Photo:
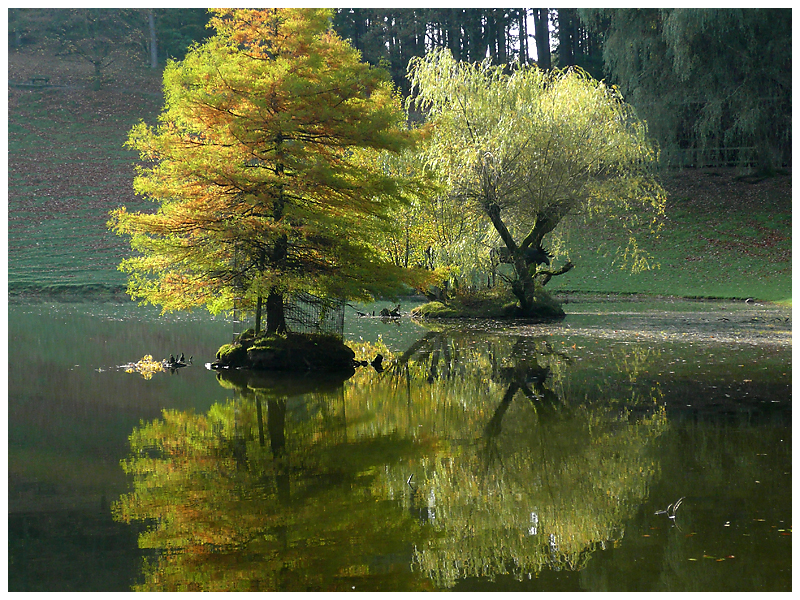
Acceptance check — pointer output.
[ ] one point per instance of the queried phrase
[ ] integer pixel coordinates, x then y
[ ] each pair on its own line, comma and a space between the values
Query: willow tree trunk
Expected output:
524, 286
521, 256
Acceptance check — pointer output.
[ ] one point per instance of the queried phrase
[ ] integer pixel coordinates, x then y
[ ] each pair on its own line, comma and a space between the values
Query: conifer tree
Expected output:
257, 167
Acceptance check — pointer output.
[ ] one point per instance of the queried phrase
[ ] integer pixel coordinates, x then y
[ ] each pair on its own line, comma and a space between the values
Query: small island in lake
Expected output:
285, 352
495, 303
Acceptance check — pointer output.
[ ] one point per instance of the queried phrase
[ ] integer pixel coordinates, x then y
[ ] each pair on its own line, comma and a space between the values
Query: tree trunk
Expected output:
258, 315
151, 20
523, 35
275, 317
276, 322
500, 33
523, 288
454, 33
567, 18
489, 35
542, 36
359, 29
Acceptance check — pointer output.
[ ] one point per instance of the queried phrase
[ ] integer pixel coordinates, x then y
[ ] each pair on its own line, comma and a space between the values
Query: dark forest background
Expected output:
714, 85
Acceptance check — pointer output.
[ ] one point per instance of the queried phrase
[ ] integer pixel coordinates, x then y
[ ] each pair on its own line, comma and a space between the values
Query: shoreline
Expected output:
100, 293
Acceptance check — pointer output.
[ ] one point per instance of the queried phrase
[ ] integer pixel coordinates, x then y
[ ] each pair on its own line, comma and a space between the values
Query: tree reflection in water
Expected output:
498, 465
544, 482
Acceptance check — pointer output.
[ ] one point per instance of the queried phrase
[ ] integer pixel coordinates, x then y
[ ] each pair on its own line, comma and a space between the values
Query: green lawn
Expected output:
67, 170
713, 245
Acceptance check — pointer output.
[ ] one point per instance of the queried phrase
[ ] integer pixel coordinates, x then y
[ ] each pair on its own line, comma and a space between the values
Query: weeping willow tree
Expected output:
524, 151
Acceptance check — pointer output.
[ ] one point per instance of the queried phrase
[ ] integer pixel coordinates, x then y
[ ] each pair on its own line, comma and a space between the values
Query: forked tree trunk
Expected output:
524, 287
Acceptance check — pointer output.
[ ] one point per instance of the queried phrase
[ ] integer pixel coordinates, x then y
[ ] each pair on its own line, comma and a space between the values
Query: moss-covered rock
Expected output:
287, 352
434, 310
232, 354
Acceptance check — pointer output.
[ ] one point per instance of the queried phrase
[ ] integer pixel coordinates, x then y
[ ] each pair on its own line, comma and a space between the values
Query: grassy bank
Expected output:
724, 237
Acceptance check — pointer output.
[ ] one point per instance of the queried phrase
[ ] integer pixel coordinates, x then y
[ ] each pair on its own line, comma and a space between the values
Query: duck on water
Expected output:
176, 364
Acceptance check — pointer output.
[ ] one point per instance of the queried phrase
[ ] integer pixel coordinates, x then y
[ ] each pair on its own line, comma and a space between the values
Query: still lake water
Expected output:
632, 447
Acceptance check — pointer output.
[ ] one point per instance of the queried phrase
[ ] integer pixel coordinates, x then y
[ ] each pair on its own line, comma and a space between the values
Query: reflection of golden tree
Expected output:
230, 513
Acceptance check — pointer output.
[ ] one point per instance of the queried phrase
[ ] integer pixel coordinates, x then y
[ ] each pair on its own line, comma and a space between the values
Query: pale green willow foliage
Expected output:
547, 148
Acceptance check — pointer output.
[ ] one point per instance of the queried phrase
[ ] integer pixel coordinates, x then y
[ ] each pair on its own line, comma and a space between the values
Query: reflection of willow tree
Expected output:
531, 478
253, 497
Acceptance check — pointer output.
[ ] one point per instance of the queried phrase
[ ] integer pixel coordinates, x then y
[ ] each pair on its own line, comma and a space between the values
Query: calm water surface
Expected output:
633, 447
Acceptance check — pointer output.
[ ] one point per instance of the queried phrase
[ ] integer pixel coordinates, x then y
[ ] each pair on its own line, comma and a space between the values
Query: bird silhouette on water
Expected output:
172, 363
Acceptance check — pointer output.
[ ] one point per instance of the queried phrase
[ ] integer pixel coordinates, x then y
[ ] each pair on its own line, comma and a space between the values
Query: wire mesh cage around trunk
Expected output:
307, 313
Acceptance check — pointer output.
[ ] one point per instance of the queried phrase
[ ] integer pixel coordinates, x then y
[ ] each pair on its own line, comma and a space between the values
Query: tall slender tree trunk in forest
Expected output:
454, 33
567, 36
502, 45
151, 20
542, 35
523, 35
474, 30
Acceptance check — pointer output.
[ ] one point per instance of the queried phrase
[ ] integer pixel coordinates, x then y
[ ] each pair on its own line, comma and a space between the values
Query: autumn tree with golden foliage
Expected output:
258, 167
